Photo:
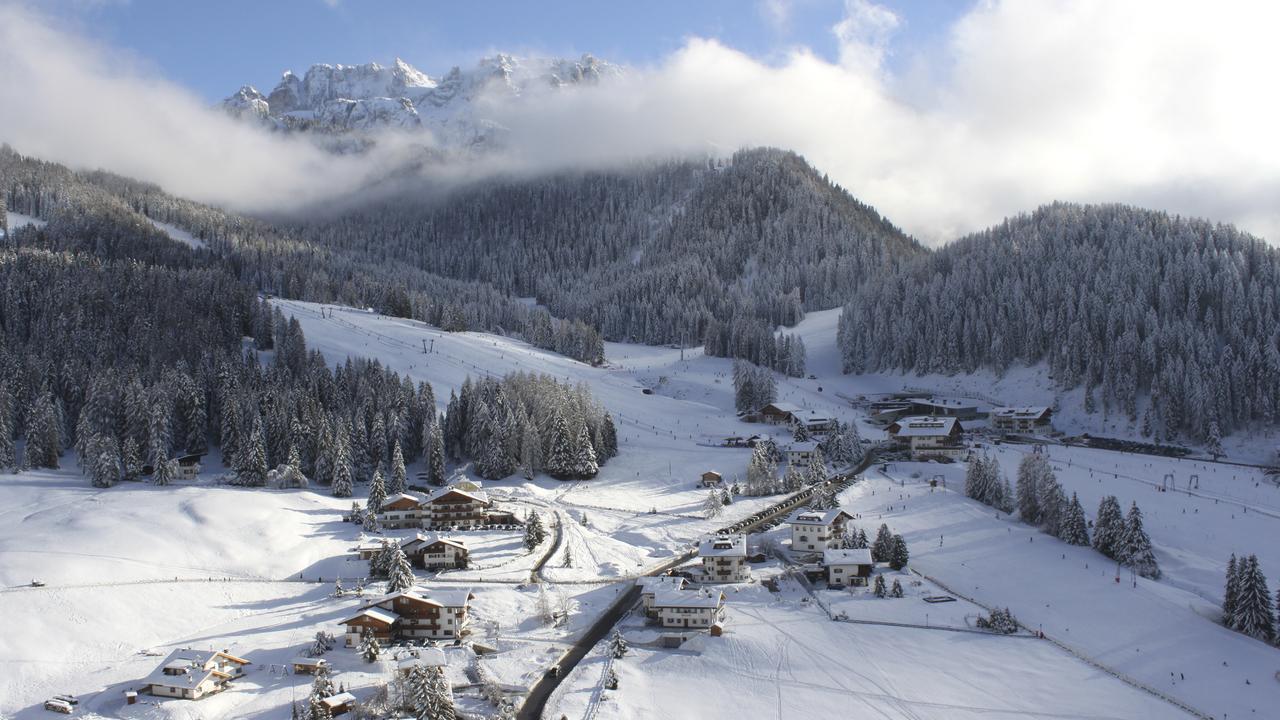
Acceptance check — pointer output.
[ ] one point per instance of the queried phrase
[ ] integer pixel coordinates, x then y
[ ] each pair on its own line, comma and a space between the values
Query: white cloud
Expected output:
1167, 105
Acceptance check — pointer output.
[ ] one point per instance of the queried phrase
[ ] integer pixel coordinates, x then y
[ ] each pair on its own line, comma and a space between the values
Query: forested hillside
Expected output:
269, 258
667, 252
1121, 301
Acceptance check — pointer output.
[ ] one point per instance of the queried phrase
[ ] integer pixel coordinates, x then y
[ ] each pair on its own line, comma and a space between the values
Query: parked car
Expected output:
59, 706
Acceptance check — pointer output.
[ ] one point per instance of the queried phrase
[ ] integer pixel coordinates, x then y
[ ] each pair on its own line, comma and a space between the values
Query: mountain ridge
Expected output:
371, 98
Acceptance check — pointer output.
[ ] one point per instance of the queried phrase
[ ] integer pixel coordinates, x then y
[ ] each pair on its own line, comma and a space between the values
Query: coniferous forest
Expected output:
1170, 322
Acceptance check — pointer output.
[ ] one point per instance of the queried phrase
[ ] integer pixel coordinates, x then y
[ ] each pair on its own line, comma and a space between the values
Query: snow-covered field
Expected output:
781, 657
135, 569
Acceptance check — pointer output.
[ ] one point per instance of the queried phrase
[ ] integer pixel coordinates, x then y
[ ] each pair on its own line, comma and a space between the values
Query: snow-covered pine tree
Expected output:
1075, 529
400, 573
369, 523
611, 679
251, 466
883, 545
321, 688
370, 649
1053, 505
1108, 527
896, 590
974, 476
608, 438
377, 491
793, 479
1213, 440
584, 455
1254, 615
712, 506
381, 563
105, 467
561, 457
898, 554
130, 459
342, 473
530, 449
617, 645
1231, 593
440, 705
1136, 549
816, 471
8, 450
43, 439
1006, 503
823, 498
762, 471
435, 455
399, 476
878, 586
534, 532
1031, 470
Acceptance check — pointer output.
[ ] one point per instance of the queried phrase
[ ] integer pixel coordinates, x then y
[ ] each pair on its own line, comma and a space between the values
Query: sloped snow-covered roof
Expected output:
452, 598
342, 698
427, 539
802, 446
1030, 412
923, 426
654, 584
784, 408
816, 517
687, 599
851, 556
401, 496
189, 668
479, 496
724, 546
374, 613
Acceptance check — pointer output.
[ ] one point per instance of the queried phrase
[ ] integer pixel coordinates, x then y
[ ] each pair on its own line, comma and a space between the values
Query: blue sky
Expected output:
214, 47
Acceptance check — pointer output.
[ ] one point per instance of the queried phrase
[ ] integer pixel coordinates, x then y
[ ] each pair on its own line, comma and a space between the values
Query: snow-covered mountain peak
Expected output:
368, 98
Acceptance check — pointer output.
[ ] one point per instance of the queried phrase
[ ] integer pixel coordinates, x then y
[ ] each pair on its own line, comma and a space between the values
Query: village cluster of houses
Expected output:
427, 551
822, 532
816, 422
191, 674
411, 616
941, 435
461, 505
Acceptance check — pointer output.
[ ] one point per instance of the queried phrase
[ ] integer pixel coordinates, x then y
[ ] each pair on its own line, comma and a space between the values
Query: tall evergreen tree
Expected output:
342, 479
1231, 593
43, 439
882, 548
1032, 470
898, 554
400, 572
377, 492
8, 451
1135, 547
435, 456
561, 458
584, 455
1254, 614
1053, 505
399, 476
1075, 529
1108, 527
